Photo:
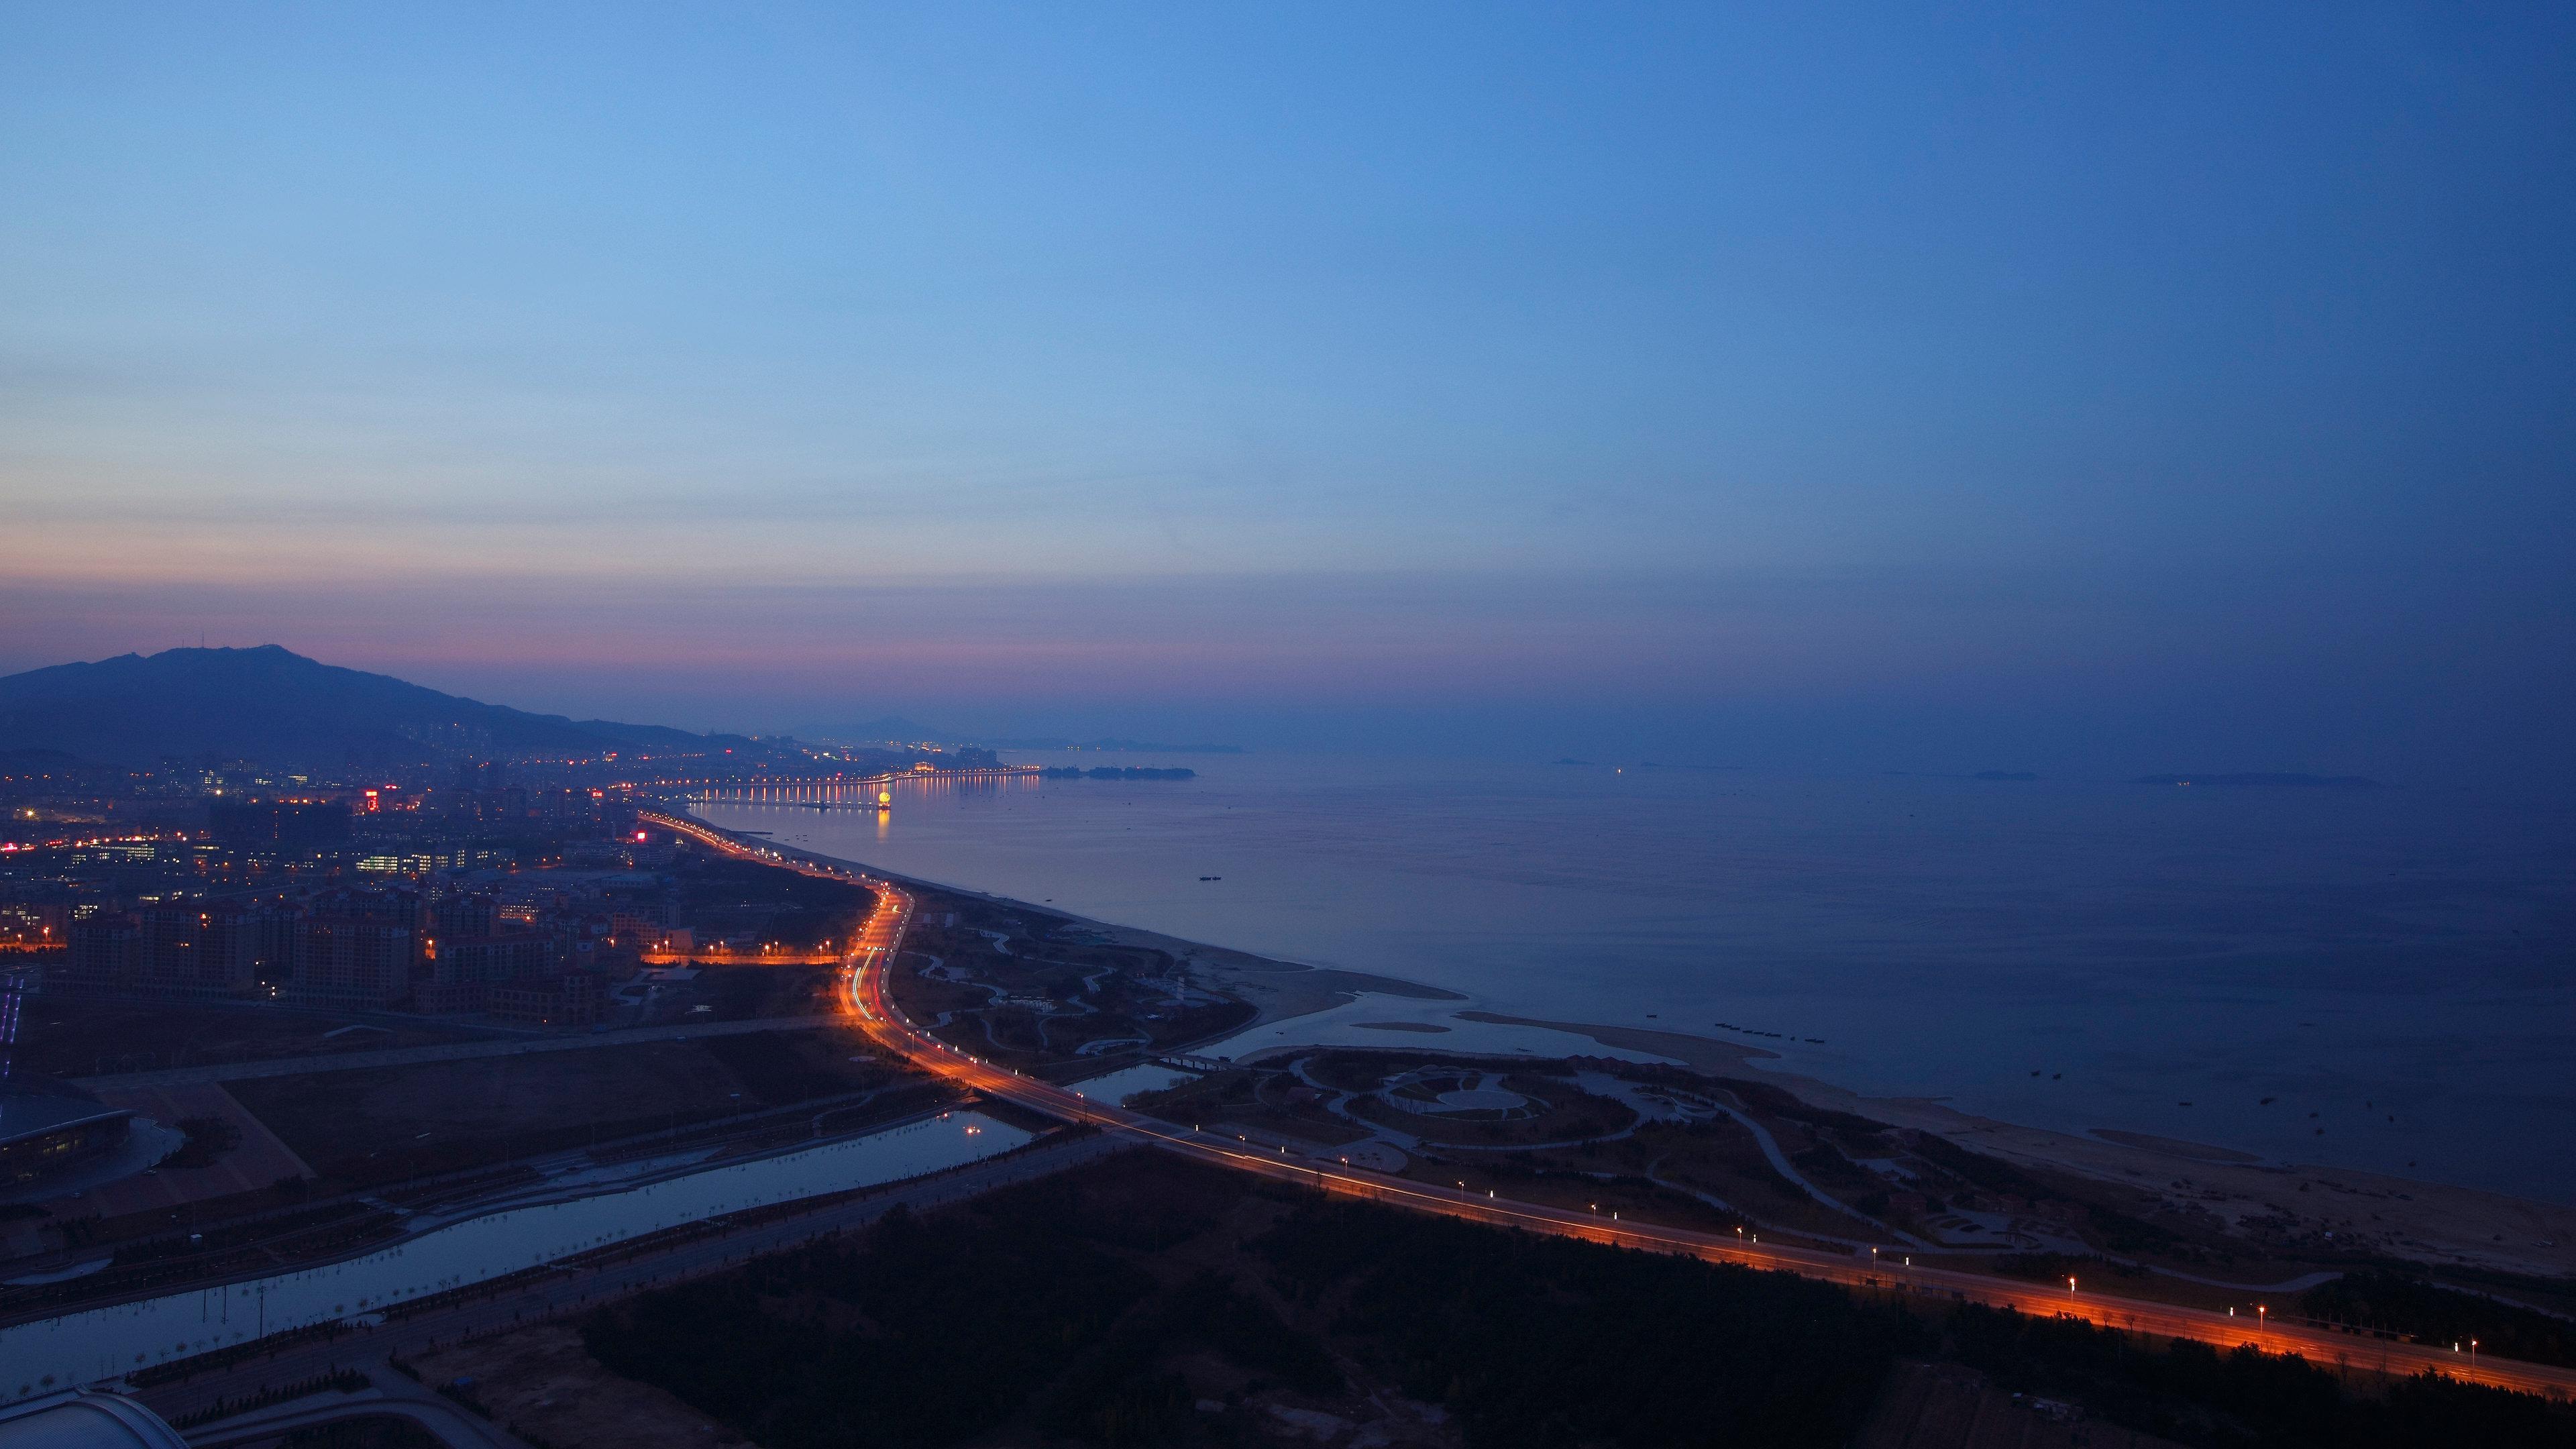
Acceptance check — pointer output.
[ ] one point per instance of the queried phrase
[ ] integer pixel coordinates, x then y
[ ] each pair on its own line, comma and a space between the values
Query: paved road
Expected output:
579, 1289
866, 986
450, 1052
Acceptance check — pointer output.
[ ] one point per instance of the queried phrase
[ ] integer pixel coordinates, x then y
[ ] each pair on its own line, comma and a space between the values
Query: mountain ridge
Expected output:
270, 703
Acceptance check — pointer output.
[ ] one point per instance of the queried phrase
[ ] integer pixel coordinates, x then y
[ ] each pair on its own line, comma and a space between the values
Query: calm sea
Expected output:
2395, 967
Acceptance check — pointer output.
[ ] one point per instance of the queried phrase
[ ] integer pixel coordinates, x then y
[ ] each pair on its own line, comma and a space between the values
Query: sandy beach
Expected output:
1277, 990
2426, 1221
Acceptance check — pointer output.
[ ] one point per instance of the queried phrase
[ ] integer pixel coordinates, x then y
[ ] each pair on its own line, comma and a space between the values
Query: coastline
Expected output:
2426, 1221
1277, 990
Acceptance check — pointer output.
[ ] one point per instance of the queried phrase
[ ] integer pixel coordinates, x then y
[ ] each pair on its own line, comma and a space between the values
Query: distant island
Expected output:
2330, 782
896, 727
1115, 772
1116, 746
1639, 765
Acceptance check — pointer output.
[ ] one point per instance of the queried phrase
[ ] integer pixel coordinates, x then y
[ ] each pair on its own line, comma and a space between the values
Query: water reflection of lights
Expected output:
864, 791
876, 795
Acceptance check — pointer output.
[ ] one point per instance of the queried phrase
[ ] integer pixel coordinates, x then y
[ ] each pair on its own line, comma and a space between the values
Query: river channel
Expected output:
99, 1343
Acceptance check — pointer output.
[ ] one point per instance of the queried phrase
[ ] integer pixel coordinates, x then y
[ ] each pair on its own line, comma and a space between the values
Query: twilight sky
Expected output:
1870, 387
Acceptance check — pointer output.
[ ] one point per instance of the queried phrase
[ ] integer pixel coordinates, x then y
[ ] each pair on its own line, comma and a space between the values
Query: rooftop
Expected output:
28, 1109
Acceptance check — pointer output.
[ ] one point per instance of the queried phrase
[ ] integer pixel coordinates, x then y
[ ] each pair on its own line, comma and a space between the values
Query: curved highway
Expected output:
872, 955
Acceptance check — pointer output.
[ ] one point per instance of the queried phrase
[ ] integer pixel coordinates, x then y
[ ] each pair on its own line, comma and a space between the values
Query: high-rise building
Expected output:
355, 961
359, 947
106, 951
487, 960
279, 827
576, 998
196, 948
277, 934
463, 915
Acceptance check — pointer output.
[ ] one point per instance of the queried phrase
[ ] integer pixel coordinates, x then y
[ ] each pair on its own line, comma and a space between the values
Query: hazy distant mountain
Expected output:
272, 705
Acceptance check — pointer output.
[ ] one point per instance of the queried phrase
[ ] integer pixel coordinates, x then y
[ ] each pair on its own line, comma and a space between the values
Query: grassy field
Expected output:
382, 1124
722, 896
1044, 992
70, 1036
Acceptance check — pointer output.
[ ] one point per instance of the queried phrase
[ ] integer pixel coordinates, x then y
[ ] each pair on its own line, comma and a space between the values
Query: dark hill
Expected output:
271, 705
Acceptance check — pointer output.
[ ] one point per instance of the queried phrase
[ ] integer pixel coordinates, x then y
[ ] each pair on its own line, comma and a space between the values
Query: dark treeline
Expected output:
923, 1334
1123, 1393
381, 1431
2197, 1395
1546, 1341
2391, 1303
1145, 1301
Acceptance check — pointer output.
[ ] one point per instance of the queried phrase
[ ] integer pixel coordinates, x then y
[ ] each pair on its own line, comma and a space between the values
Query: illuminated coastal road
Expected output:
871, 958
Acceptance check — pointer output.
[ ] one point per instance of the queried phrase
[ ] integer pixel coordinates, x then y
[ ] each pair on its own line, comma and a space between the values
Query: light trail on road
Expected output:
869, 964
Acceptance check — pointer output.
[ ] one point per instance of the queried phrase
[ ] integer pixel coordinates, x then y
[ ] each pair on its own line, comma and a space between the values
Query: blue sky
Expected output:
1870, 386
